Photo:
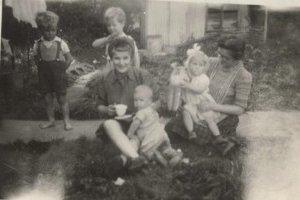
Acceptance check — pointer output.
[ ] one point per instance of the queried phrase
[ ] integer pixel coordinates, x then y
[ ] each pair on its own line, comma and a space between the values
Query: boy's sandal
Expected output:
192, 136
228, 148
220, 140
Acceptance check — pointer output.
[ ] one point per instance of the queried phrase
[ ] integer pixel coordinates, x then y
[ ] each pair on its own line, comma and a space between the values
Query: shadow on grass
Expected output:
207, 176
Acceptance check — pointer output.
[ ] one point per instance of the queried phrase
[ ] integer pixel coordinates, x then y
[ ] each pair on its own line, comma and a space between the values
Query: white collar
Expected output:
47, 43
55, 39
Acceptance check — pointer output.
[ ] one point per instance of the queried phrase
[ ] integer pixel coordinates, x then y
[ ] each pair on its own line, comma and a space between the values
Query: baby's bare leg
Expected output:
219, 138
188, 123
160, 159
212, 125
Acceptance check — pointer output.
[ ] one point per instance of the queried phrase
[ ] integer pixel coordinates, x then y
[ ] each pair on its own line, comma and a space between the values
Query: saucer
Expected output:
123, 117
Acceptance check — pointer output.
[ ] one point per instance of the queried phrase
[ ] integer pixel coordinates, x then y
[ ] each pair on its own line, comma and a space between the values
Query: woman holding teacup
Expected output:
115, 103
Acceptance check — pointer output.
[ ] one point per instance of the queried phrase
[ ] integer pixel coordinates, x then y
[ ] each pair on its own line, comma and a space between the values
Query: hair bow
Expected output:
196, 49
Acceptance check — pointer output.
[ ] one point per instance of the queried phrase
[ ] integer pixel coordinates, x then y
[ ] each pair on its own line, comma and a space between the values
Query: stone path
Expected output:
12, 130
272, 161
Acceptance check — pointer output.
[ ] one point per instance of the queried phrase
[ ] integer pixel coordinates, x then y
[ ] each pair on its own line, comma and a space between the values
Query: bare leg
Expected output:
213, 126
219, 139
118, 137
135, 144
124, 159
62, 99
188, 123
160, 159
50, 111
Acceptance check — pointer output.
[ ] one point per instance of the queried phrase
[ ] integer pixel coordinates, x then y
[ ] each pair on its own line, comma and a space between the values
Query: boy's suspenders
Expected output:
58, 49
39, 57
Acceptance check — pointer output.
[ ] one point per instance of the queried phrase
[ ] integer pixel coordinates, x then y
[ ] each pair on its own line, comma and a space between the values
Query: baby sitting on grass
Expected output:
147, 134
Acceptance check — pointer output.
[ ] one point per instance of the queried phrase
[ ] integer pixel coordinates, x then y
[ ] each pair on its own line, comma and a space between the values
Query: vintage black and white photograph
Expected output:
150, 100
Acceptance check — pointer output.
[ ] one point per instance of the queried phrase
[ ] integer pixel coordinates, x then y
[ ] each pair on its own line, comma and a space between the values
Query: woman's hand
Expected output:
111, 110
127, 119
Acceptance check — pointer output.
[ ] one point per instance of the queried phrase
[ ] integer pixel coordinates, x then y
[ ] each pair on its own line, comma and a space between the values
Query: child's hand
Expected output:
128, 119
112, 36
184, 84
205, 106
109, 38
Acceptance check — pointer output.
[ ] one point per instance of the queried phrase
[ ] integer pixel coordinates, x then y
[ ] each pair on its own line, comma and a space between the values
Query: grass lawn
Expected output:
82, 165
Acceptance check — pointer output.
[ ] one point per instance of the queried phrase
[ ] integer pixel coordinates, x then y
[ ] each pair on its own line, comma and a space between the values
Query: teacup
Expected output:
121, 109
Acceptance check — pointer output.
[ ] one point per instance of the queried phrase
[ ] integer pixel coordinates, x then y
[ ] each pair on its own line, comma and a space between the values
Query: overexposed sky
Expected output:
271, 4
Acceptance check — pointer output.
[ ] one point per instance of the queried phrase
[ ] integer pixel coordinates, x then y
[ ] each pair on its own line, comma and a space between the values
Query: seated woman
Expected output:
230, 85
117, 86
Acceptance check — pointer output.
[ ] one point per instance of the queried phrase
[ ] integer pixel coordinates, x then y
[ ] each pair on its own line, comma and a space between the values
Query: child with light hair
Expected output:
52, 56
147, 134
115, 19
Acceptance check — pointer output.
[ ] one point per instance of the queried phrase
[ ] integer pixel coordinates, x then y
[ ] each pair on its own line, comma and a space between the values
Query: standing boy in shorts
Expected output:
52, 56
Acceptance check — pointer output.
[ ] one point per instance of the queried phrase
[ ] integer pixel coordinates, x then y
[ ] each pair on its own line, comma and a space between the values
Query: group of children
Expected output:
145, 133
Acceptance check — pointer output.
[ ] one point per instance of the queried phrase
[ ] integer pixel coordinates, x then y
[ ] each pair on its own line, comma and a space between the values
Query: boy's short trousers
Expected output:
52, 77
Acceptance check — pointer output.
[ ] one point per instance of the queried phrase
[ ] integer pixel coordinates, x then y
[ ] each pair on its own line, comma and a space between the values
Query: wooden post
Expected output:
266, 25
206, 18
169, 23
222, 18
143, 24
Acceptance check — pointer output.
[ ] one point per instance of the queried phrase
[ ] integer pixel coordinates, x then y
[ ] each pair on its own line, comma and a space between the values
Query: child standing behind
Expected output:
147, 134
52, 56
115, 20
196, 91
